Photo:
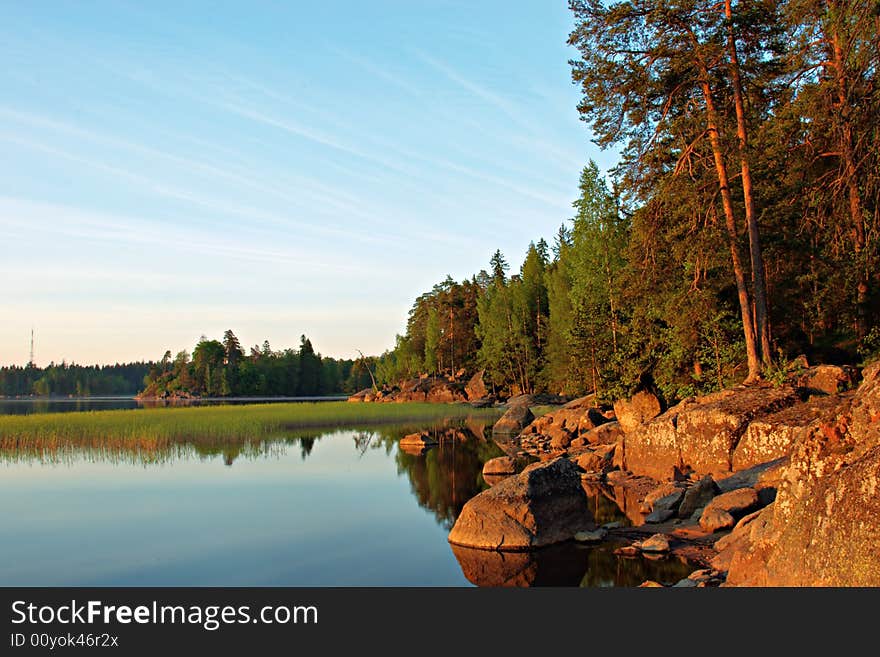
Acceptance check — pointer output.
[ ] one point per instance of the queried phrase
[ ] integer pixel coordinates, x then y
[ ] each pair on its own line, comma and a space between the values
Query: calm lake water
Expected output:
339, 508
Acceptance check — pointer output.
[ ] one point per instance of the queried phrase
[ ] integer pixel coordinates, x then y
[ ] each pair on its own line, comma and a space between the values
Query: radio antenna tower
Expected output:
31, 361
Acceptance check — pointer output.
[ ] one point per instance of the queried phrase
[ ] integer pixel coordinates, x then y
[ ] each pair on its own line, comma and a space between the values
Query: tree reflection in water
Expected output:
444, 477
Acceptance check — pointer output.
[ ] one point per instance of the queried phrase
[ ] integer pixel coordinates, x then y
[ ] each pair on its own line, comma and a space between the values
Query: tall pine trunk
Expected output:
759, 279
754, 362
850, 178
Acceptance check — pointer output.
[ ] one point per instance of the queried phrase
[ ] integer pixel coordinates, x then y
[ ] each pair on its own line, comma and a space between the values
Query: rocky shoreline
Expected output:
767, 485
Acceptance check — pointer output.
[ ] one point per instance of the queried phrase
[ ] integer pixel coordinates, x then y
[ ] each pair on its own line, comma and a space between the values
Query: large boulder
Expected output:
824, 527
708, 432
501, 465
360, 396
598, 459
418, 440
543, 505
652, 450
698, 496
701, 435
771, 437
723, 511
514, 420
476, 387
446, 392
638, 409
608, 433
827, 379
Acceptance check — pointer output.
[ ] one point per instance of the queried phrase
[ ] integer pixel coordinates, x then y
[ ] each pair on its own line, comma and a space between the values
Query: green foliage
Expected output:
432, 341
80, 380
870, 346
440, 334
782, 370
221, 369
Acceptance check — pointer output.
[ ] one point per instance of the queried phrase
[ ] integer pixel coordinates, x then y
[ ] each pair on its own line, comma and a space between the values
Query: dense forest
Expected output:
739, 229
222, 369
215, 369
76, 380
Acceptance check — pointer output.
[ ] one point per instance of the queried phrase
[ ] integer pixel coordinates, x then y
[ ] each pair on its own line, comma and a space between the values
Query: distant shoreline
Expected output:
339, 397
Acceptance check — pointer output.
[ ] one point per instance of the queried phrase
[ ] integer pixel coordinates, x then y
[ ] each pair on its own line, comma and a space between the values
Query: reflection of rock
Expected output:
542, 505
444, 477
476, 427
568, 564
544, 567
501, 467
489, 568
508, 444
629, 493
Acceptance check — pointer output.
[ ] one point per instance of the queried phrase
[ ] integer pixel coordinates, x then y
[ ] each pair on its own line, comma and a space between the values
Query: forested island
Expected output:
222, 369
72, 380
214, 369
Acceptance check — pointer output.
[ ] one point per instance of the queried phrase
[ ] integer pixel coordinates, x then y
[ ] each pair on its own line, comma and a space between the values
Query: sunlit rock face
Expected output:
701, 435
824, 527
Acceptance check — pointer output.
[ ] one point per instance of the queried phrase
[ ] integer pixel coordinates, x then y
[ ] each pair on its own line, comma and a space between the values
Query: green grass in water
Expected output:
158, 428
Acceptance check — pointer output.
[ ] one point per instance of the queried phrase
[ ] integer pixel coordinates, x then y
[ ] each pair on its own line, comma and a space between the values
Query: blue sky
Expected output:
169, 170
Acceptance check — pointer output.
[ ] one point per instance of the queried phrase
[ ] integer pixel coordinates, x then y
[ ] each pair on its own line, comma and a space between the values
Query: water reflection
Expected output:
444, 477
567, 564
299, 499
